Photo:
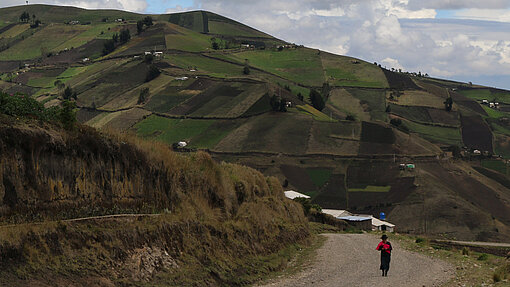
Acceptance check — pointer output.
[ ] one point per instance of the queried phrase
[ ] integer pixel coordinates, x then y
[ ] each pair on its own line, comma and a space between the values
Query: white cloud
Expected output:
458, 4
484, 14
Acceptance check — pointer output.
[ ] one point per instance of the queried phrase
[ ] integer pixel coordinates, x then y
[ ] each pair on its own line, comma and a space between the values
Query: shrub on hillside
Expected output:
396, 122
22, 106
152, 73
317, 100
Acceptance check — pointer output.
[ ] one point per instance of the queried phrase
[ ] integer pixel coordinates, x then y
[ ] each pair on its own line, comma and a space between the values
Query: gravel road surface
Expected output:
351, 260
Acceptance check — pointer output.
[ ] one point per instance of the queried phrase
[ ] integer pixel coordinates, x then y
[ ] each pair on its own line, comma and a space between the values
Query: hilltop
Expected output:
246, 97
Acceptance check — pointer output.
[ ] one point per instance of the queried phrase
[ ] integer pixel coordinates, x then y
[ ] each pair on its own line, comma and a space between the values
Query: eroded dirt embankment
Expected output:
216, 219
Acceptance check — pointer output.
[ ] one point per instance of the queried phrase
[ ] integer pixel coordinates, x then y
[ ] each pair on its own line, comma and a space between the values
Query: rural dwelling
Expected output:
291, 194
336, 212
381, 225
361, 221
182, 144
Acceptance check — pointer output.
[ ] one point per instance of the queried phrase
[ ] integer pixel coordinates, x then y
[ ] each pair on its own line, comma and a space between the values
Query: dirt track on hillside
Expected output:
351, 260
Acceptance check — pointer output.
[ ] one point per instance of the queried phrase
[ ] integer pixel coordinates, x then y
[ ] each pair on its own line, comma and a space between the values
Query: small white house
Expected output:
381, 225
147, 53
182, 144
158, 54
85, 60
477, 152
491, 105
291, 194
182, 78
485, 102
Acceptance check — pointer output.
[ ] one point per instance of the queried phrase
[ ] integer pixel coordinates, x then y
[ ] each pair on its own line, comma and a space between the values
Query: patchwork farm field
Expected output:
342, 101
41, 42
490, 95
334, 138
334, 195
436, 134
299, 65
205, 65
476, 133
317, 115
172, 130
272, 132
419, 98
187, 40
372, 101
298, 177
14, 31
350, 72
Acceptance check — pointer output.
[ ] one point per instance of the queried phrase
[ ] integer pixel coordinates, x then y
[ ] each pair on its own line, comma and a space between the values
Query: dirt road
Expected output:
351, 260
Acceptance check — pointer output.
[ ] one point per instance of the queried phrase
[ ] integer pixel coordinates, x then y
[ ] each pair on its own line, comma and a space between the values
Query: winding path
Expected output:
351, 260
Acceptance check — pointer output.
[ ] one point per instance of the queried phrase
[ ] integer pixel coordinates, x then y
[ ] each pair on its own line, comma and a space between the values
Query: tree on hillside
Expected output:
152, 73
326, 89
278, 104
246, 70
59, 84
300, 96
148, 59
147, 21
139, 27
448, 104
317, 100
25, 17
108, 47
275, 103
69, 94
35, 24
144, 95
124, 36
115, 38
67, 114
140, 24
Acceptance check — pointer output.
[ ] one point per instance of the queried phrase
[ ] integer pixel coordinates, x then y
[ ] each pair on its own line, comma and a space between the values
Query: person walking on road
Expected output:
385, 248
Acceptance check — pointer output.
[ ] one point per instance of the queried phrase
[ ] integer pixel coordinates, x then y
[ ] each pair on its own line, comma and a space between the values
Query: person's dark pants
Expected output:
385, 263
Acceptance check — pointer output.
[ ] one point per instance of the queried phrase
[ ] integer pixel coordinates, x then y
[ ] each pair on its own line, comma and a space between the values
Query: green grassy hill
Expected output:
244, 96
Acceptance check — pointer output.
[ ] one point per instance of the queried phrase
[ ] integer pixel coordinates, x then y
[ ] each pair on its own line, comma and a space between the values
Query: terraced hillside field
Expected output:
246, 97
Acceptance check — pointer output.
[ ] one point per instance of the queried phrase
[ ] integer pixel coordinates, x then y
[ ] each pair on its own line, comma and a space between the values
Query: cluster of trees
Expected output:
319, 99
22, 106
116, 40
220, 43
25, 17
145, 22
66, 92
278, 104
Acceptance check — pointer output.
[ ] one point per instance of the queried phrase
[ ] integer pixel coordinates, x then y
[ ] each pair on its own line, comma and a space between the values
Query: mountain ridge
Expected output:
317, 121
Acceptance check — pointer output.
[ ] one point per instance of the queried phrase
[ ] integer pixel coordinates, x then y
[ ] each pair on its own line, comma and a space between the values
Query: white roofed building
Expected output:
291, 194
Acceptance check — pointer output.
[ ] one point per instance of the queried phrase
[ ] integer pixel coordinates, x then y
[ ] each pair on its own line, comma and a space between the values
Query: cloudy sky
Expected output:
467, 40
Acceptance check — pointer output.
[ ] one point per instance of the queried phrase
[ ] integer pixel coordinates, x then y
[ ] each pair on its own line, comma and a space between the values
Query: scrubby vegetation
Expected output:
217, 212
22, 106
